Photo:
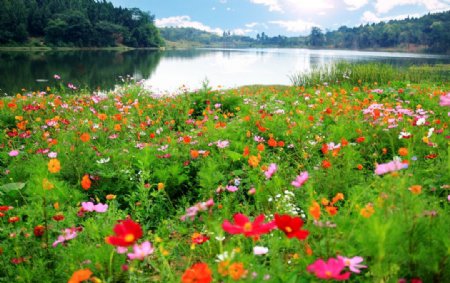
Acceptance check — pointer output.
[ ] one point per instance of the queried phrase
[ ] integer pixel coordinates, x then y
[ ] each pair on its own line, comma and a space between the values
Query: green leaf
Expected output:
234, 155
11, 187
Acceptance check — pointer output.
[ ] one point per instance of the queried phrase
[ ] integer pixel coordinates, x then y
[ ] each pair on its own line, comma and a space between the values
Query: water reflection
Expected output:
92, 69
169, 70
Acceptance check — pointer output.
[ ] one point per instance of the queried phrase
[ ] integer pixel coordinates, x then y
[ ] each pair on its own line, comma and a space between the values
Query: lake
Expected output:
174, 69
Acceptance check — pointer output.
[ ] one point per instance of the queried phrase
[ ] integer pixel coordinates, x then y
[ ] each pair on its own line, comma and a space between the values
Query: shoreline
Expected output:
195, 46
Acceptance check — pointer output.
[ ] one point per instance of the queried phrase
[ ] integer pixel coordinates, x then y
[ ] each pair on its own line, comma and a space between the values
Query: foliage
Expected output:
207, 179
80, 23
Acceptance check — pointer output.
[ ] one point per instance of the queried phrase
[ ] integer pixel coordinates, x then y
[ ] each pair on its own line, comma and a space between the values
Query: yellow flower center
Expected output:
247, 227
129, 238
328, 273
288, 229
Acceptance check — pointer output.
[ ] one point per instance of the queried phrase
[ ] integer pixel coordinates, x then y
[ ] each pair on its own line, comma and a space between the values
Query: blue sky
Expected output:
274, 17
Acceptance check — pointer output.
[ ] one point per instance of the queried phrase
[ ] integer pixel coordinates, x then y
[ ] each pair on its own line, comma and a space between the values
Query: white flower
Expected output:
257, 250
103, 160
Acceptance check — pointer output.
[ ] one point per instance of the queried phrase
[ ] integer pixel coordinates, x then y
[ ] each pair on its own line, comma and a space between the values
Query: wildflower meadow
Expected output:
345, 181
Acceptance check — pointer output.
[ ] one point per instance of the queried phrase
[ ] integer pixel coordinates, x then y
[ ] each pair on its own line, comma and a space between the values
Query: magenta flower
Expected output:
300, 180
392, 166
141, 251
329, 270
353, 263
445, 100
69, 234
271, 170
242, 225
13, 153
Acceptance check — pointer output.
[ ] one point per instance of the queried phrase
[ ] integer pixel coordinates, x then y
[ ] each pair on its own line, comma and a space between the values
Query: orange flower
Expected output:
332, 210
337, 197
314, 210
86, 182
110, 197
415, 189
260, 147
403, 151
223, 267
54, 166
198, 273
117, 127
253, 161
80, 276
360, 167
102, 116
47, 185
186, 139
237, 271
194, 154
280, 143
272, 143
85, 137
367, 211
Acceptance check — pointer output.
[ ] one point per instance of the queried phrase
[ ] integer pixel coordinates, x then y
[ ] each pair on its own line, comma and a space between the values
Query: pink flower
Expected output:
69, 234
353, 263
90, 207
390, 167
329, 270
13, 153
445, 100
141, 251
300, 180
252, 191
222, 144
56, 77
271, 170
231, 188
192, 211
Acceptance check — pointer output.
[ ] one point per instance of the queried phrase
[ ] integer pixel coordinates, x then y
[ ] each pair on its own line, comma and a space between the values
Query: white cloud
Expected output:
185, 22
384, 6
252, 25
298, 26
308, 5
274, 5
240, 31
355, 4
369, 17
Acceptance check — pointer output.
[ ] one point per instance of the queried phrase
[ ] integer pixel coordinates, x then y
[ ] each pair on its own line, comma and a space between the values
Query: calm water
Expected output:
170, 70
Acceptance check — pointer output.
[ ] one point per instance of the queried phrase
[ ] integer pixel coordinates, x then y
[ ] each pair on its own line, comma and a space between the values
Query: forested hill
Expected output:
428, 33
75, 23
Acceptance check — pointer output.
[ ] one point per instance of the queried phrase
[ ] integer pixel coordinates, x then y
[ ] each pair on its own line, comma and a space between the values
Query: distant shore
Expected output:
183, 45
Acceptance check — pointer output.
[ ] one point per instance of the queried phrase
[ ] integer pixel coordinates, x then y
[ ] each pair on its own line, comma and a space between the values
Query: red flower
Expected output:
326, 164
5, 207
13, 219
127, 233
58, 217
39, 230
360, 139
244, 226
198, 273
291, 226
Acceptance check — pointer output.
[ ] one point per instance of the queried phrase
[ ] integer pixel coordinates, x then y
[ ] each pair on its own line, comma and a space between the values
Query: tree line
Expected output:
77, 23
429, 33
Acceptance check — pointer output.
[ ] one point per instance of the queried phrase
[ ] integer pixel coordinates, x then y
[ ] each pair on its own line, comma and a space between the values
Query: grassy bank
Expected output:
256, 184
